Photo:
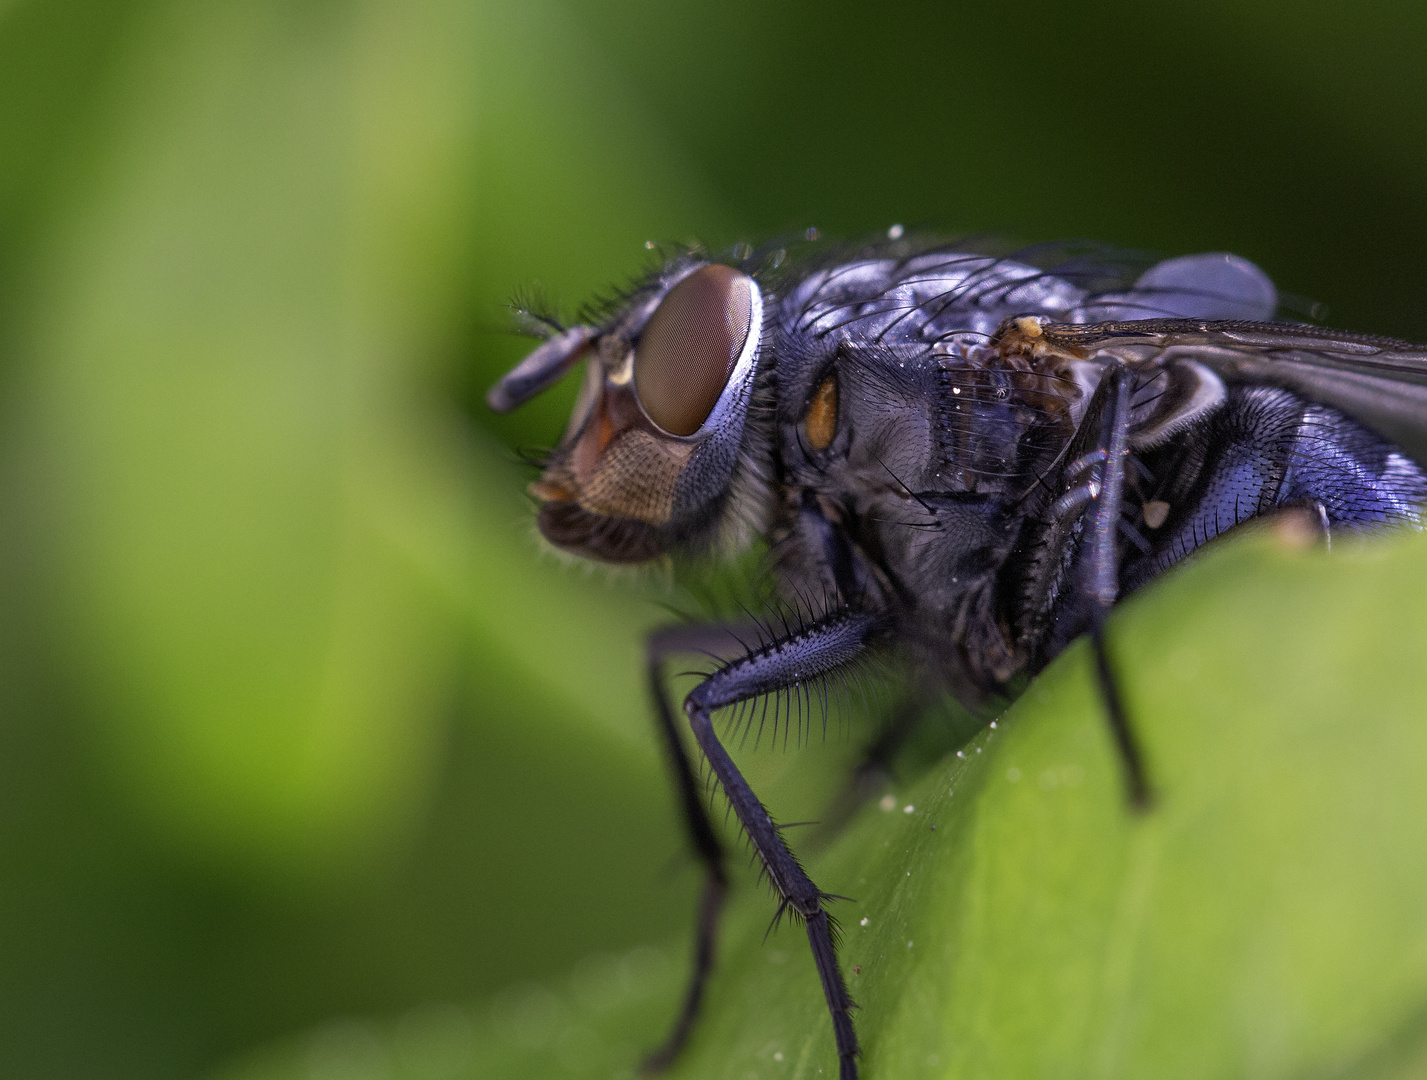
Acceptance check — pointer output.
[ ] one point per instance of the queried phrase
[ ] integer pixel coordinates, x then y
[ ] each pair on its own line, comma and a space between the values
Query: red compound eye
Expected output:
690, 345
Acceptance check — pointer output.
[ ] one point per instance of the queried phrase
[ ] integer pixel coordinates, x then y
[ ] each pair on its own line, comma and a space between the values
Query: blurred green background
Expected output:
295, 720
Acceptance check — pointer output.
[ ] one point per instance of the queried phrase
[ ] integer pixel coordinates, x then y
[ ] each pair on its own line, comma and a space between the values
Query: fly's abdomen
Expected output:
1267, 449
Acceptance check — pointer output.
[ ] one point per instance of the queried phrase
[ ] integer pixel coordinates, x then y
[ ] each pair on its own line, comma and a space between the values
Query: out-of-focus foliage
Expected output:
295, 721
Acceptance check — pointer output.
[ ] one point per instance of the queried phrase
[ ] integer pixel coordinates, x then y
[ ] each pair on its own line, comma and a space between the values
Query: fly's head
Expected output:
657, 445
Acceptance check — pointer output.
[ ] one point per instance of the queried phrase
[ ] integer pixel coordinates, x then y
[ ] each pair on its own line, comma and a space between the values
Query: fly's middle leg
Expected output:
870, 775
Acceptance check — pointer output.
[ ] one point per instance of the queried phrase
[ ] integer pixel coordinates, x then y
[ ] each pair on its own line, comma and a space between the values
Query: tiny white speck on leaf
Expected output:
865, 920
909, 808
888, 802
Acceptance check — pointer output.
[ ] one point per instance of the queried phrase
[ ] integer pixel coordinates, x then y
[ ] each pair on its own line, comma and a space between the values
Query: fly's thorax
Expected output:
918, 455
652, 456
885, 430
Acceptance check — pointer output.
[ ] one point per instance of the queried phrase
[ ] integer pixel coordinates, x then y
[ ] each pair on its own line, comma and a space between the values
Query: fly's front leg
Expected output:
828, 644
716, 641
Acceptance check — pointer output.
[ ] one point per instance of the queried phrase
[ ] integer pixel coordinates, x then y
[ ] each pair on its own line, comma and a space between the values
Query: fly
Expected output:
967, 458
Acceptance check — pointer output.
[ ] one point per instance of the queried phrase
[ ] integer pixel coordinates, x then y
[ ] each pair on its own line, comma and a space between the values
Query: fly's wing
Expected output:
1380, 382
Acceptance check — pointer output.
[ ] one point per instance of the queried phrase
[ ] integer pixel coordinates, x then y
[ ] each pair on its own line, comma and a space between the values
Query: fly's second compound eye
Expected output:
691, 345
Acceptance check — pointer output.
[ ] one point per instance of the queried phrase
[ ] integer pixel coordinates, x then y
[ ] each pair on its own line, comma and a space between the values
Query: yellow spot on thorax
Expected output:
821, 418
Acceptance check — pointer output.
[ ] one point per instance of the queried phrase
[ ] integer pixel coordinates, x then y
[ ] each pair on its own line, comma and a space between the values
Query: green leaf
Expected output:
1014, 918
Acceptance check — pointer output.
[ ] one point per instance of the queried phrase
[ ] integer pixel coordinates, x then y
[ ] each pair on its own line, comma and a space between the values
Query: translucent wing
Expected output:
1380, 382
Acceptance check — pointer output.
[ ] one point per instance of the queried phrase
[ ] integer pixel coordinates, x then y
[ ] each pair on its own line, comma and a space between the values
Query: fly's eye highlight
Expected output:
821, 418
690, 346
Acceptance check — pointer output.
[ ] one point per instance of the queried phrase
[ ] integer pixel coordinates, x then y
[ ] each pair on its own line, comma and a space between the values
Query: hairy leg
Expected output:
811, 652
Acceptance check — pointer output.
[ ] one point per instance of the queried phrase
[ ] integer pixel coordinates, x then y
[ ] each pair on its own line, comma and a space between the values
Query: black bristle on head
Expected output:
535, 313
537, 457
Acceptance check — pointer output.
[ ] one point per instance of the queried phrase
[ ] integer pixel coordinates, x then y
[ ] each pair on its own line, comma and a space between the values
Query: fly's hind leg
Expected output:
813, 651
1137, 787
1098, 502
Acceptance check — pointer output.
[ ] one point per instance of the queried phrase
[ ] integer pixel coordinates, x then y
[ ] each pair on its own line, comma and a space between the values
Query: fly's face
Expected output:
651, 450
